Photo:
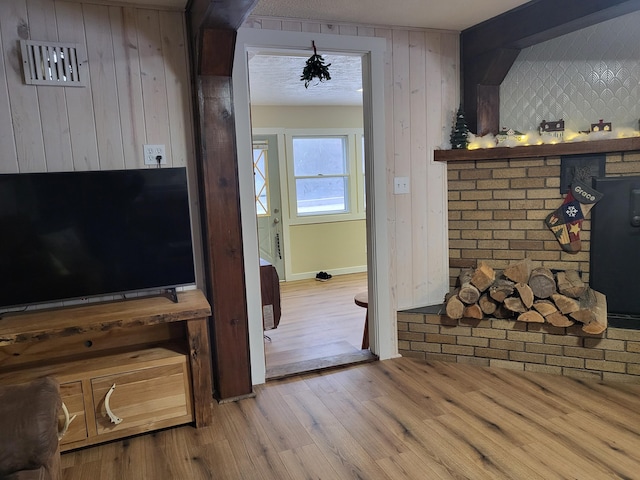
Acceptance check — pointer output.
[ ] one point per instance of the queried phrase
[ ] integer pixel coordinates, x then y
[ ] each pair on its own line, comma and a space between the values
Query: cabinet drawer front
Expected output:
142, 397
73, 398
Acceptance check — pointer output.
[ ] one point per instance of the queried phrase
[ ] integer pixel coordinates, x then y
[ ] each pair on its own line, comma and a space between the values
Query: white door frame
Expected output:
382, 314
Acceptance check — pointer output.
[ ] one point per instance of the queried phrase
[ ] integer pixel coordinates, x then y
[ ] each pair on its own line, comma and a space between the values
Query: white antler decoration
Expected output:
114, 418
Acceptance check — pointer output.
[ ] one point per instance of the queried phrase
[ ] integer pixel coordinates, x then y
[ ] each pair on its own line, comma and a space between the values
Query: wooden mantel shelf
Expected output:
546, 150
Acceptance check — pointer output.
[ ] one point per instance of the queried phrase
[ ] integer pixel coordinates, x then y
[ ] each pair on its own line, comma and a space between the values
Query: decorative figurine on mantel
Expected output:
509, 134
555, 128
460, 131
601, 126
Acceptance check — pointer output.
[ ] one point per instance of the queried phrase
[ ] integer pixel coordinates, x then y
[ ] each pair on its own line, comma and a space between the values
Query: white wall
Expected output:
582, 77
266, 116
138, 92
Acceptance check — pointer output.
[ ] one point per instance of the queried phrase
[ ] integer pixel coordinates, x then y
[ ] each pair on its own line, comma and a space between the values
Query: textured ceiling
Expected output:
275, 80
441, 14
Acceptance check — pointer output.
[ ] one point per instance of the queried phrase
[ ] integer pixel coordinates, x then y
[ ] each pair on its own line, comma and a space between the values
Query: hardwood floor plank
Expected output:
252, 445
397, 419
541, 466
279, 422
215, 460
408, 465
446, 449
485, 441
612, 455
568, 462
308, 462
342, 452
361, 424
319, 319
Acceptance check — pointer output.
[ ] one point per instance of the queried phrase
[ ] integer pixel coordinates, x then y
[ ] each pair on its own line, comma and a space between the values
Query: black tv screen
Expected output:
83, 234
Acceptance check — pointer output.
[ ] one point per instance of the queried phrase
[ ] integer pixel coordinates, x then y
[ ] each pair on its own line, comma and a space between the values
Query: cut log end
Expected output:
599, 324
557, 319
542, 282
483, 277
454, 307
531, 316
473, 311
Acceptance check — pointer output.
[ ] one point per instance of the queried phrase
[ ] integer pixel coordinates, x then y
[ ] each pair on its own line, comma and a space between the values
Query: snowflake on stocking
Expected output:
566, 221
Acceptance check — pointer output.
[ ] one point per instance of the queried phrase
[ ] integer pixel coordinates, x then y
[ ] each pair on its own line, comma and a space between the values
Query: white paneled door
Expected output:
268, 200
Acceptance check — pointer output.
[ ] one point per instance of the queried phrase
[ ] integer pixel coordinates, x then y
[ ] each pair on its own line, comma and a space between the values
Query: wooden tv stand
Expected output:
156, 353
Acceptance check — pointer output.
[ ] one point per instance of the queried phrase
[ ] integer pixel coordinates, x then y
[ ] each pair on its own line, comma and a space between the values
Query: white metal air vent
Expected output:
51, 63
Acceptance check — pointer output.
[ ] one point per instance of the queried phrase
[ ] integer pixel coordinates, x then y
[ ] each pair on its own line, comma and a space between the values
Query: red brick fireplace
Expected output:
498, 200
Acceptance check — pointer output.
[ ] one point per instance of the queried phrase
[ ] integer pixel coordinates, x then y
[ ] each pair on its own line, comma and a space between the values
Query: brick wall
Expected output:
496, 214
612, 356
497, 211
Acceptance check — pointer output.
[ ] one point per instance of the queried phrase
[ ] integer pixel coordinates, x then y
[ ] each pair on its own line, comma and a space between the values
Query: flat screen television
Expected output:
74, 235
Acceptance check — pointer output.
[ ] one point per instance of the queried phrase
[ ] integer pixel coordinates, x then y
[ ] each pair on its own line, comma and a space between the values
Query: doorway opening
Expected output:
309, 176
371, 50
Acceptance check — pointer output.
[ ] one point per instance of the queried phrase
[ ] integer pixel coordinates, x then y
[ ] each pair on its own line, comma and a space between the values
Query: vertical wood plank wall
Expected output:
421, 97
138, 91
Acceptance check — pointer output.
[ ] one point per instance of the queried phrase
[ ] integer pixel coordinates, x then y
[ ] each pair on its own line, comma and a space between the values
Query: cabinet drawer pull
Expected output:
67, 422
114, 419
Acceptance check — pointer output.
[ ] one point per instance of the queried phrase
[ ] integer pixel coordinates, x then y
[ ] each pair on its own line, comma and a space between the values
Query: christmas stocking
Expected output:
566, 221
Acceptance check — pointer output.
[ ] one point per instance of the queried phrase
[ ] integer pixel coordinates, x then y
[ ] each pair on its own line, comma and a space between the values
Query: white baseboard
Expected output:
336, 272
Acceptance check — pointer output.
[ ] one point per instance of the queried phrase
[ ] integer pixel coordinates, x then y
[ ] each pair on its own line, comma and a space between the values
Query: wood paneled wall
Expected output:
421, 97
138, 90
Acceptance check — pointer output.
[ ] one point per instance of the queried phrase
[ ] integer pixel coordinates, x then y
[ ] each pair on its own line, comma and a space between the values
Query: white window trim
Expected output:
355, 199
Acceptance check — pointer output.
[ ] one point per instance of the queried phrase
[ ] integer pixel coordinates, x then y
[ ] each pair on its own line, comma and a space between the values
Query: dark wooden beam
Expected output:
482, 103
216, 49
213, 28
489, 49
541, 20
218, 14
223, 238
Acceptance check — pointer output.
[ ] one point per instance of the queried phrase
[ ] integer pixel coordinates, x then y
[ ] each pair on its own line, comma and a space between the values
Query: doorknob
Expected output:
276, 220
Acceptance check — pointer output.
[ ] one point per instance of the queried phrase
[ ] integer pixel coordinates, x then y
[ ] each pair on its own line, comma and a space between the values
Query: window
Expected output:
261, 183
321, 174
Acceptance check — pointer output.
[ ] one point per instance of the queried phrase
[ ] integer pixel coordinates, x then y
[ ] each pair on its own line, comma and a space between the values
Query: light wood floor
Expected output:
393, 420
320, 323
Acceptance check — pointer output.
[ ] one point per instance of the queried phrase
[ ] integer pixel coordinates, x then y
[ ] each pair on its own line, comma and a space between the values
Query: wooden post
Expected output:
213, 26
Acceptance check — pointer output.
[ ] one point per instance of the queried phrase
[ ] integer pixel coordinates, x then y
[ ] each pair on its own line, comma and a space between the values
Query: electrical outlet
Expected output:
400, 185
151, 154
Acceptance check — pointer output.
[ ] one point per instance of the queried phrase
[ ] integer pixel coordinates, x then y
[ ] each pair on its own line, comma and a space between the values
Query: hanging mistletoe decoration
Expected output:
315, 68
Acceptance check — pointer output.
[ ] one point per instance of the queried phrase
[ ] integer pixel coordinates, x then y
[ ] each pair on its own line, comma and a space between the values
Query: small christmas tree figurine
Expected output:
460, 131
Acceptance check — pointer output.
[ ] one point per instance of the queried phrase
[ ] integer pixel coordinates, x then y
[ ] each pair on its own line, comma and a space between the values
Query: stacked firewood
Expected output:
527, 294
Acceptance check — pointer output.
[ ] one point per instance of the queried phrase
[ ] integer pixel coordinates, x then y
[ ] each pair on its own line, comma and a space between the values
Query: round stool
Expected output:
362, 300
